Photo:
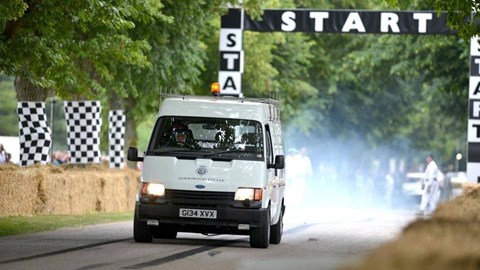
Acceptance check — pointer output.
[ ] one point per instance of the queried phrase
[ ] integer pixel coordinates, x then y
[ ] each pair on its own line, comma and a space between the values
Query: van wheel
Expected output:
141, 231
277, 230
163, 233
260, 236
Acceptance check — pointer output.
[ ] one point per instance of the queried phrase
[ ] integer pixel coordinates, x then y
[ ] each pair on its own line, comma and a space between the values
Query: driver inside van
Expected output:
181, 137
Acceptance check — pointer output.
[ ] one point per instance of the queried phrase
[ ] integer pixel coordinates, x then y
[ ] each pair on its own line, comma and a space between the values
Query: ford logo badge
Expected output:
200, 186
202, 170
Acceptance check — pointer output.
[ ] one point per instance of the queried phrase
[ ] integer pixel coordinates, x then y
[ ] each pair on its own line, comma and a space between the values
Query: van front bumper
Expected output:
226, 221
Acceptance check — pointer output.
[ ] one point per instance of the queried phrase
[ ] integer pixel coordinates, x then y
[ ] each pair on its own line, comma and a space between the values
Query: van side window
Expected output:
268, 144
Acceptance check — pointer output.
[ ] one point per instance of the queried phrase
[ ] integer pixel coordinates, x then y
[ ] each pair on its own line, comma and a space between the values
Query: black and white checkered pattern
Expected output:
84, 121
116, 135
35, 135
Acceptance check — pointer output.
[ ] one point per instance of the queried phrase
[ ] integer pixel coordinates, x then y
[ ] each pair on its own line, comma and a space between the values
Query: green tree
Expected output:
179, 55
427, 78
403, 93
8, 105
461, 15
383, 90
101, 49
67, 46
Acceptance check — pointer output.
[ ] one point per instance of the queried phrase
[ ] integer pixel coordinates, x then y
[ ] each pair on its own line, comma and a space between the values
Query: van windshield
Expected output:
207, 137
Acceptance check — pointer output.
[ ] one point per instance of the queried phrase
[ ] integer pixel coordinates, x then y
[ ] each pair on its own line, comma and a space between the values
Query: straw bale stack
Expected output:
450, 239
66, 189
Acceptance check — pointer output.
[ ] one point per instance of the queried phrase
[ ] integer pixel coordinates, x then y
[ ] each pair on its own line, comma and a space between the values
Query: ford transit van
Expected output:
214, 165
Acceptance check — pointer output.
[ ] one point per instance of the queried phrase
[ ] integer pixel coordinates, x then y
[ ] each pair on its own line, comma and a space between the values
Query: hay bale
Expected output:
465, 207
69, 189
450, 239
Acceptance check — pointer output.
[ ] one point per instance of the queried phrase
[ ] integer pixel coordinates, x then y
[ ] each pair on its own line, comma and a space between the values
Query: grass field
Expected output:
23, 225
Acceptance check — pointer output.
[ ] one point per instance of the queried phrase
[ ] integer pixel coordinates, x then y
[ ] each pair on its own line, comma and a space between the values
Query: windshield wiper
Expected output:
225, 152
158, 151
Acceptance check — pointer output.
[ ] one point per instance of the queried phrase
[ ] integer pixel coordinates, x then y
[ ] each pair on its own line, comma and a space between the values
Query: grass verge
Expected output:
15, 225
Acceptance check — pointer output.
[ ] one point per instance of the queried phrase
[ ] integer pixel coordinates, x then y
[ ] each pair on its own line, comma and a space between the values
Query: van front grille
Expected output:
199, 197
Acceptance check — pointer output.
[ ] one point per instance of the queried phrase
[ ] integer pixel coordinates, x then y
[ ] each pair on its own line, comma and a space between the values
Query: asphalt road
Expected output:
315, 238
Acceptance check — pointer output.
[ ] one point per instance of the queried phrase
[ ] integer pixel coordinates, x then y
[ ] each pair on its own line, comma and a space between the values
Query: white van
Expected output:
214, 165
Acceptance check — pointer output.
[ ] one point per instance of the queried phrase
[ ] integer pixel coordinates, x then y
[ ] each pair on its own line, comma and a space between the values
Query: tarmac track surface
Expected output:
313, 239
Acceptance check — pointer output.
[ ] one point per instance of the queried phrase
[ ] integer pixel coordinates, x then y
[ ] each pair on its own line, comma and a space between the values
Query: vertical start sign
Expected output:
473, 158
231, 53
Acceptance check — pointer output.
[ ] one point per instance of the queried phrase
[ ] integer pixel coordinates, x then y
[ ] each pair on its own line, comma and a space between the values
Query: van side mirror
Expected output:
279, 163
133, 154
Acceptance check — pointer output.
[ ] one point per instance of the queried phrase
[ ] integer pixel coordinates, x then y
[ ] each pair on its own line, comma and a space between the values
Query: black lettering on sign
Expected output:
229, 84
231, 40
475, 46
478, 130
477, 89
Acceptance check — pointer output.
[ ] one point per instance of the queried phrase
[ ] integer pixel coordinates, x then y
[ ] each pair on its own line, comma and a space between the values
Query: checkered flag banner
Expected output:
84, 121
116, 138
35, 135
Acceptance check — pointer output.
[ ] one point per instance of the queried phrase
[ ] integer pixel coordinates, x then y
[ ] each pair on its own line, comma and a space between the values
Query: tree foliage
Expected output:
69, 46
407, 92
461, 15
8, 105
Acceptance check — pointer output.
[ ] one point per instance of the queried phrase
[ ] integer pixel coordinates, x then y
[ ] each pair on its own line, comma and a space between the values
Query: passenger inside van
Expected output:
225, 137
249, 141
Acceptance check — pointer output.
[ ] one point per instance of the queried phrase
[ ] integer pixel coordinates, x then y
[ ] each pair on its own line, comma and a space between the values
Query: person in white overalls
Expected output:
430, 187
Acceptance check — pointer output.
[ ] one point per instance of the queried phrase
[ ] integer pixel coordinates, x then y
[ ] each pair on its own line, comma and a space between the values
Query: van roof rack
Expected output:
241, 99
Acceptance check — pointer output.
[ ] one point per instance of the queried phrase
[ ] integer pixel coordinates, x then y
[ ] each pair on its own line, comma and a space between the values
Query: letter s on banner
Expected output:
288, 21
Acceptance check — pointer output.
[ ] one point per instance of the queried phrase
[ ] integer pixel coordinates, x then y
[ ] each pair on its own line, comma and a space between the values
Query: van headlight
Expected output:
152, 189
252, 194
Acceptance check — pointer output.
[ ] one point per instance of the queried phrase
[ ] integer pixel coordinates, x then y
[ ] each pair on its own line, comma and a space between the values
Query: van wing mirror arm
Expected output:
279, 164
133, 154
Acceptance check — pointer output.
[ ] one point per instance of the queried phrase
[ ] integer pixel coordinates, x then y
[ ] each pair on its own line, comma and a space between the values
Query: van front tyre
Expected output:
260, 236
141, 231
277, 231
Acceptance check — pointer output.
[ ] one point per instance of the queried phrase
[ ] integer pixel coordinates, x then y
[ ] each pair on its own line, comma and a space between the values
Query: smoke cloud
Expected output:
345, 172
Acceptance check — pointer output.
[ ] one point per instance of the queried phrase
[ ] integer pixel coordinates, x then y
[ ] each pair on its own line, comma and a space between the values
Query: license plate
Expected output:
197, 213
